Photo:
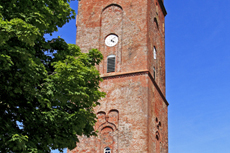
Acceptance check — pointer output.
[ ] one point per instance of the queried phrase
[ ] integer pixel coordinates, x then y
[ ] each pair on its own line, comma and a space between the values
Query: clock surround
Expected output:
111, 40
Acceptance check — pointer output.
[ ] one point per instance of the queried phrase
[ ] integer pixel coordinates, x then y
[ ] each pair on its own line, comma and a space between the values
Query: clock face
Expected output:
111, 40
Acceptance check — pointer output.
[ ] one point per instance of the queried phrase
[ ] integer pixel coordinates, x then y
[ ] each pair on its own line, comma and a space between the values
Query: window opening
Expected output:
157, 135
156, 119
156, 23
154, 73
154, 53
107, 150
111, 59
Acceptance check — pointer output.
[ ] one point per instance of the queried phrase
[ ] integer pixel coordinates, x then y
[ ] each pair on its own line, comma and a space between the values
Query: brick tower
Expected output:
133, 118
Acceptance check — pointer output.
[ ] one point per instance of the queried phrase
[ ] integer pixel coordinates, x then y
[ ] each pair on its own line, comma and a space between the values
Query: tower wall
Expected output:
98, 18
157, 119
126, 95
133, 115
156, 38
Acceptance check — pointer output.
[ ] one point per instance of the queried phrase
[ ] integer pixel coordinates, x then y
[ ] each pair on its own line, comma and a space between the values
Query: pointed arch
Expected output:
113, 4
111, 22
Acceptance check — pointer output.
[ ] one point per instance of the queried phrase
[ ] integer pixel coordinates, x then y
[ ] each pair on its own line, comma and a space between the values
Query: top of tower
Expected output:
162, 7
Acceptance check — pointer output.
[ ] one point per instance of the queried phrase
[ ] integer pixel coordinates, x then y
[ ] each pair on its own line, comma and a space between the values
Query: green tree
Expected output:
48, 89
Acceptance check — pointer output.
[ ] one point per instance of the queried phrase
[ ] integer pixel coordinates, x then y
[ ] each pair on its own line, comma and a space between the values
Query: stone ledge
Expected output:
115, 74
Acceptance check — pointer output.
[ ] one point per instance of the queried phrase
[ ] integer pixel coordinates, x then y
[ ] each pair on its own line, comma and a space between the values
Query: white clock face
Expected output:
111, 40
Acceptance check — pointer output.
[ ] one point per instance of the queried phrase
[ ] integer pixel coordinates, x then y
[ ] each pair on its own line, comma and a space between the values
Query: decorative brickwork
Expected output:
133, 118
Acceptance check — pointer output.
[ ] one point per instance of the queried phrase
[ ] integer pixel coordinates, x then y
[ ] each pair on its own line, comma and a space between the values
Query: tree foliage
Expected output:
48, 89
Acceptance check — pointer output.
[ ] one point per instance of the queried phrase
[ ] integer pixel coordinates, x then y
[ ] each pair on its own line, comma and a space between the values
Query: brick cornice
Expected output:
116, 74
158, 88
134, 73
162, 7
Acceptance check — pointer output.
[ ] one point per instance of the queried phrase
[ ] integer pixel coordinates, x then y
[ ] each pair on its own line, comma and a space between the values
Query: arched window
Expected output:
107, 150
111, 59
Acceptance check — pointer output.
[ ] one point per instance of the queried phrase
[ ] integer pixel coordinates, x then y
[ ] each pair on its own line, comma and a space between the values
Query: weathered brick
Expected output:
133, 117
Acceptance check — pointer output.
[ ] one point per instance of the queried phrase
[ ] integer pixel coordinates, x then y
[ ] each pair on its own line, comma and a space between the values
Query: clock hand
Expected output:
113, 40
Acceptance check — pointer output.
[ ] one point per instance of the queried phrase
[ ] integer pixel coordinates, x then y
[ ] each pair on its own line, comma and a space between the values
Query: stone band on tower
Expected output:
133, 118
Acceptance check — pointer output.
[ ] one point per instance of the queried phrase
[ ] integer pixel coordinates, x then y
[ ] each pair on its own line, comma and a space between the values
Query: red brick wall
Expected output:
133, 117
158, 120
95, 22
125, 109
156, 37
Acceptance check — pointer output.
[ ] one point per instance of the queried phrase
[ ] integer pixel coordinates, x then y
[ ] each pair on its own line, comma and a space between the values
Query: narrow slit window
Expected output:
154, 52
111, 60
156, 23
107, 150
154, 73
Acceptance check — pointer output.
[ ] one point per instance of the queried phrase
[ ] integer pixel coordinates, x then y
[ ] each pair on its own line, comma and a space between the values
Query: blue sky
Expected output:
197, 74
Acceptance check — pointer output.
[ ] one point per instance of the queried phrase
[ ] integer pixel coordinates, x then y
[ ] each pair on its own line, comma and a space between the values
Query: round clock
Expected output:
111, 40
